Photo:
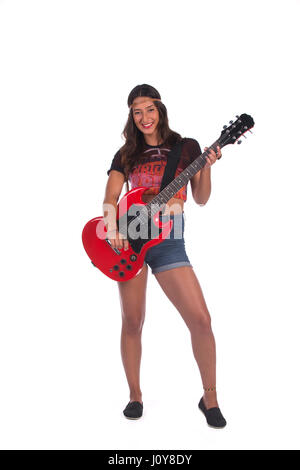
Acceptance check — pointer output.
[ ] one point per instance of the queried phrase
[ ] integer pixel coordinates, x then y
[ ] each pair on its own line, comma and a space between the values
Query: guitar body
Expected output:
120, 264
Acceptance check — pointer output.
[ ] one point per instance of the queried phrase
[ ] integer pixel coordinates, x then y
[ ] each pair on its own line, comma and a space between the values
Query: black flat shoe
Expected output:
213, 416
134, 410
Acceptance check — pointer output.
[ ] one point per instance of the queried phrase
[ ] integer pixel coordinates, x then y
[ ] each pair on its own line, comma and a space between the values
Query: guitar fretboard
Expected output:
181, 180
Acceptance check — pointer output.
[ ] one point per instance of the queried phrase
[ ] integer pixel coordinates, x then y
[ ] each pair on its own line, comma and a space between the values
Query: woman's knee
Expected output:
200, 320
133, 323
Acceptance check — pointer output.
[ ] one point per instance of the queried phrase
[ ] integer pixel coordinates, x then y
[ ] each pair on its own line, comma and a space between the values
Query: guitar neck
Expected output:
181, 180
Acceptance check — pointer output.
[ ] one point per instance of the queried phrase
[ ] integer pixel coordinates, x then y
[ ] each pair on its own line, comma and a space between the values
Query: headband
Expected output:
153, 99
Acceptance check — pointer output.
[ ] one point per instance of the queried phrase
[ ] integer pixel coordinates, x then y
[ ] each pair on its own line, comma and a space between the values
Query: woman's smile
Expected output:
147, 126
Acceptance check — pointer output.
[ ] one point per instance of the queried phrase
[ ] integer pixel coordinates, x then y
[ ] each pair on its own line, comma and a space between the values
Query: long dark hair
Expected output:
134, 138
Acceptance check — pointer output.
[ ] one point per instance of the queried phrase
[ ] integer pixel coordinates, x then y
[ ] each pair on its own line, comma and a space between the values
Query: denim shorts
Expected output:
170, 253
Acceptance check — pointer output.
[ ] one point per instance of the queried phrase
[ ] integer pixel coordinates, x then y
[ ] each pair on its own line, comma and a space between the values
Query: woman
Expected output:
142, 160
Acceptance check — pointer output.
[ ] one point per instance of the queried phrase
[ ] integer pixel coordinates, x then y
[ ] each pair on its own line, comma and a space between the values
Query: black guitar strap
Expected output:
171, 166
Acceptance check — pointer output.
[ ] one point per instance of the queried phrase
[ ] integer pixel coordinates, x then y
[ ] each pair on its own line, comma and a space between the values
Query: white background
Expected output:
67, 68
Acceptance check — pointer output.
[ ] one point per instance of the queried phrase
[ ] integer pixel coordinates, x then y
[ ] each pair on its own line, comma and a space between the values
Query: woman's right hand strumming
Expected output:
117, 239
112, 193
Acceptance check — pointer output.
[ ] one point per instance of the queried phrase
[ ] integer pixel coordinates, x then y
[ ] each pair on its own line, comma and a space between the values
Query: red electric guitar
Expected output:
134, 214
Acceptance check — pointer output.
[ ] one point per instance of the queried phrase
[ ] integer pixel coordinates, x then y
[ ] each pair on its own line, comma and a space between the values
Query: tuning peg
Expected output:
250, 131
225, 127
239, 141
245, 136
237, 116
230, 122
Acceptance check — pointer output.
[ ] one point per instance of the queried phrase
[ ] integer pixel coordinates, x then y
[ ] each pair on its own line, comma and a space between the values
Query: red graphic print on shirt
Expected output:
150, 167
150, 173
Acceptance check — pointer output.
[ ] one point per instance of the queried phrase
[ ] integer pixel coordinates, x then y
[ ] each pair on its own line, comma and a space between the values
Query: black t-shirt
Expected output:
149, 169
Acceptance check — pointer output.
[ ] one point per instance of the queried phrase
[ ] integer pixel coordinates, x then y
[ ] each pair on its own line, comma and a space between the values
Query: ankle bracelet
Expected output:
211, 389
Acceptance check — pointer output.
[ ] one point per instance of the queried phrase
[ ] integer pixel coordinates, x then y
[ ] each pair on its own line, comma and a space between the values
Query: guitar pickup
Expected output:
115, 249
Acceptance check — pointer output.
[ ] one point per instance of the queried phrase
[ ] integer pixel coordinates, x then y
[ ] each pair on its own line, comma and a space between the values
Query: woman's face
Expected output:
145, 115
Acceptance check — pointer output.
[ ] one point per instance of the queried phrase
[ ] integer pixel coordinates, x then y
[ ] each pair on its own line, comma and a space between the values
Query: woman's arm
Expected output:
201, 181
113, 190
201, 186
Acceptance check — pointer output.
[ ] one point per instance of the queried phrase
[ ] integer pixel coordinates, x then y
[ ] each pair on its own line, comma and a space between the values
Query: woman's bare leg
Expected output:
133, 306
183, 289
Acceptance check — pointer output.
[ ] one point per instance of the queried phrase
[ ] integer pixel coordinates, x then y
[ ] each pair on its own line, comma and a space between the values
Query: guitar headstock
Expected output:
231, 134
